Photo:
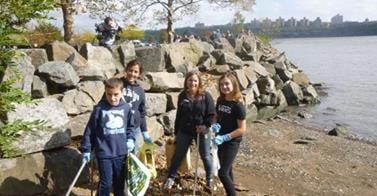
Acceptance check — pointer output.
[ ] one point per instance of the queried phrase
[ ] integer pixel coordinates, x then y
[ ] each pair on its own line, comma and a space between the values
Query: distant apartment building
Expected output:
254, 23
303, 22
317, 22
199, 25
337, 19
280, 22
292, 22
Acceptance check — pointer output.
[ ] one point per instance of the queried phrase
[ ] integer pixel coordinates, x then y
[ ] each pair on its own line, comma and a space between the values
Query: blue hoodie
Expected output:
108, 129
134, 95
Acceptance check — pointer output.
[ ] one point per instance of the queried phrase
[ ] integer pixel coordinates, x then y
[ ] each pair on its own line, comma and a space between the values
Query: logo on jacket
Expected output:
113, 122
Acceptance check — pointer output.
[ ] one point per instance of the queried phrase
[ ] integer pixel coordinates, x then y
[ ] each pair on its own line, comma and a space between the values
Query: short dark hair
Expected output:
108, 19
133, 63
113, 83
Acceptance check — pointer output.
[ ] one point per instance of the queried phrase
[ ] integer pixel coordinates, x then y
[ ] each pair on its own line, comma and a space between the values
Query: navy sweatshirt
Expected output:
134, 95
108, 129
200, 111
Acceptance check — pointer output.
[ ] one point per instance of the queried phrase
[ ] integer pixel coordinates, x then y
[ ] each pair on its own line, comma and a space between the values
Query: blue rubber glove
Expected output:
222, 138
86, 157
130, 145
215, 127
147, 138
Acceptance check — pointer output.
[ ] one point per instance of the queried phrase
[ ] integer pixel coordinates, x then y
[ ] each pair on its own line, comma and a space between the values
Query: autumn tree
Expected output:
164, 11
238, 22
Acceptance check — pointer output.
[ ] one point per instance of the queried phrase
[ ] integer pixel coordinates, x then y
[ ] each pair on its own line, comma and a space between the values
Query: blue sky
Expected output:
352, 10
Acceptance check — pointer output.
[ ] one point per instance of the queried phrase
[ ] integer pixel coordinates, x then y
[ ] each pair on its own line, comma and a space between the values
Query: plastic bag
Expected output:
146, 156
138, 177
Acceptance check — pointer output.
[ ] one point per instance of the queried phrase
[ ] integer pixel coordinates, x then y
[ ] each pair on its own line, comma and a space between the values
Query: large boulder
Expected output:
155, 129
225, 45
293, 93
54, 135
99, 57
223, 57
310, 94
95, 89
151, 58
24, 68
301, 79
126, 52
77, 102
155, 103
266, 85
39, 88
172, 100
167, 120
60, 74
183, 56
78, 124
61, 51
38, 56
242, 79
258, 68
163, 81
36, 174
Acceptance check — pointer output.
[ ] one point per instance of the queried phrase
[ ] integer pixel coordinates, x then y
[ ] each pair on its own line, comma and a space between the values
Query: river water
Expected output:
348, 68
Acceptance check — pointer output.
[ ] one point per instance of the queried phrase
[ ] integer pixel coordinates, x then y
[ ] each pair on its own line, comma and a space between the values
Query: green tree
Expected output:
14, 14
238, 22
132, 32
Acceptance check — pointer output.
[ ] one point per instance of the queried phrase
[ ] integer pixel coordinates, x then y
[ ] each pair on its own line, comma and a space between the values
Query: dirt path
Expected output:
280, 157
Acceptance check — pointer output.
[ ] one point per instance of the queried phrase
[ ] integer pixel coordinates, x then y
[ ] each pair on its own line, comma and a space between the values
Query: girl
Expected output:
231, 115
134, 95
195, 113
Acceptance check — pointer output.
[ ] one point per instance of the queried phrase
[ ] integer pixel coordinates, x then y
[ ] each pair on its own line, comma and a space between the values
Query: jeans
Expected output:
183, 142
112, 174
227, 153
139, 140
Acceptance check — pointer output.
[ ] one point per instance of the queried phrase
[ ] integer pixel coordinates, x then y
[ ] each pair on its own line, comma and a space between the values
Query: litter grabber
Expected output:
196, 163
76, 177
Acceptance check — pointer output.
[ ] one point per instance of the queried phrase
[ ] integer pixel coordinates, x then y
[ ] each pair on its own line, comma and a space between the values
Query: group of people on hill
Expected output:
117, 126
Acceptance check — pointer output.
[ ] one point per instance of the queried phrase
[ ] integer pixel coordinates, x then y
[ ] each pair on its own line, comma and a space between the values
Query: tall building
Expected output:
199, 25
317, 22
292, 22
337, 19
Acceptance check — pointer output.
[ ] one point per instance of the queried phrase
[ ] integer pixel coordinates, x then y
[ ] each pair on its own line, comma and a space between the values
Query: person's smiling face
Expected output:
113, 95
133, 73
192, 83
226, 86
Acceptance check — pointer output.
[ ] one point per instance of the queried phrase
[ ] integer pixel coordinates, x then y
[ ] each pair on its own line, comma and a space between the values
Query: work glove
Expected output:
215, 127
147, 138
222, 138
86, 157
130, 145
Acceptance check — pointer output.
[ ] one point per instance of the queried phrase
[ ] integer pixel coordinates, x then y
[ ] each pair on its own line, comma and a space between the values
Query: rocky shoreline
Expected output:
68, 82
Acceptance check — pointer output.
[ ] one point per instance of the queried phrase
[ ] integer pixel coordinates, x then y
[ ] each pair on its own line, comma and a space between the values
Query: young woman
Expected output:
134, 95
231, 114
195, 113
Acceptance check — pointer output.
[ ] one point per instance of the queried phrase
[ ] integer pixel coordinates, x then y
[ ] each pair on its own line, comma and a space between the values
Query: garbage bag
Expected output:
138, 177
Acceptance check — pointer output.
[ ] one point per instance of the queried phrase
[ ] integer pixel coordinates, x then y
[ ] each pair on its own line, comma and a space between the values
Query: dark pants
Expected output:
112, 174
227, 153
183, 143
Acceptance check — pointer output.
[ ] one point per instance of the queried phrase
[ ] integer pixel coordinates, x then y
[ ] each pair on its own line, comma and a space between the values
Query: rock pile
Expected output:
67, 82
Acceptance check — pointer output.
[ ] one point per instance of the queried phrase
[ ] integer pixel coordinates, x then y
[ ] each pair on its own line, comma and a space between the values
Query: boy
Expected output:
107, 32
109, 133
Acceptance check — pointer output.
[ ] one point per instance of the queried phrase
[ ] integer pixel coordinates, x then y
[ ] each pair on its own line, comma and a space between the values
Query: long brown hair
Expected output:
200, 86
236, 93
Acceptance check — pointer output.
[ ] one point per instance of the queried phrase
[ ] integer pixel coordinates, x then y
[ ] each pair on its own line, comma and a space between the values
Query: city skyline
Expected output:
272, 9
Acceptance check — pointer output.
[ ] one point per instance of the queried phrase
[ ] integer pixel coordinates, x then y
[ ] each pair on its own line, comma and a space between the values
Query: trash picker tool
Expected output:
76, 177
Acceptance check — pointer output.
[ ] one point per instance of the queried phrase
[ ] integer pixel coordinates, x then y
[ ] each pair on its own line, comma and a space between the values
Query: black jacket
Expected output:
201, 111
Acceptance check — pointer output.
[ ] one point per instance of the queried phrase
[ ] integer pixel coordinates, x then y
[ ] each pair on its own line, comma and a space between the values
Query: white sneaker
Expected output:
169, 183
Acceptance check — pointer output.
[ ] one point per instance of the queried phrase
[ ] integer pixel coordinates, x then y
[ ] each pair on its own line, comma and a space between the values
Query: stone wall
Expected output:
68, 84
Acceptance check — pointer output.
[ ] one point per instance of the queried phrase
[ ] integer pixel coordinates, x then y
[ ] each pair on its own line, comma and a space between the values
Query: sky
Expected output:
352, 10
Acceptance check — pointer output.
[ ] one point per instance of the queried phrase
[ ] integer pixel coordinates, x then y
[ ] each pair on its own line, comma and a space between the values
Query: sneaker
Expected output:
209, 183
169, 183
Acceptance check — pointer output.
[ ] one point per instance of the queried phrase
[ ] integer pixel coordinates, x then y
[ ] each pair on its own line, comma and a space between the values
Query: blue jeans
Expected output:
139, 140
183, 142
112, 174
227, 153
